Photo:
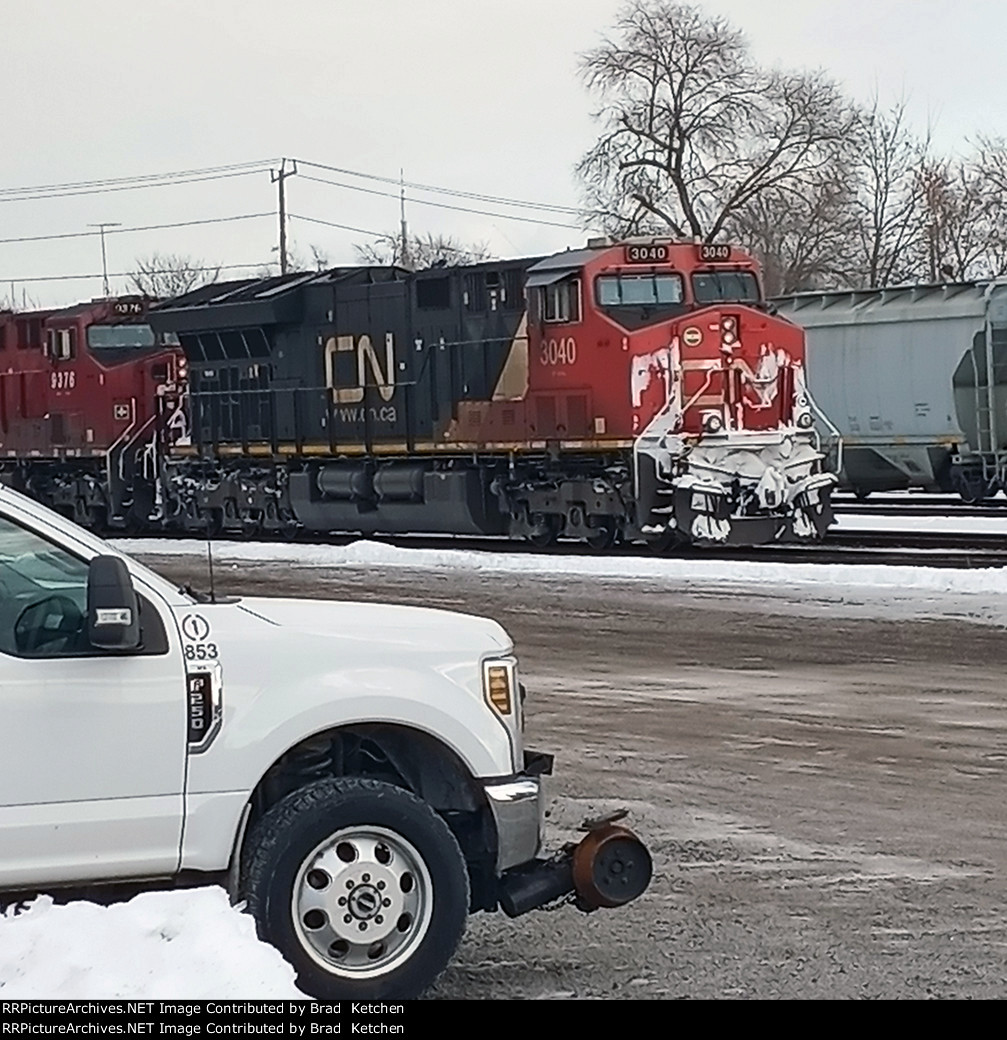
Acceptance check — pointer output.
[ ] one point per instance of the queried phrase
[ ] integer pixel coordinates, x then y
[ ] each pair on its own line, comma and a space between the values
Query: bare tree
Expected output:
164, 275
803, 239
297, 261
423, 251
962, 221
890, 197
694, 132
12, 303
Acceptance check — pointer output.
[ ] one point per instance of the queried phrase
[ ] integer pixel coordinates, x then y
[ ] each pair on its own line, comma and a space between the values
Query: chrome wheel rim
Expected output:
362, 902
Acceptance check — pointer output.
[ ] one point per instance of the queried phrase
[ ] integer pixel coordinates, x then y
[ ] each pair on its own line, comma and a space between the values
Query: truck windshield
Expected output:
639, 290
120, 337
725, 286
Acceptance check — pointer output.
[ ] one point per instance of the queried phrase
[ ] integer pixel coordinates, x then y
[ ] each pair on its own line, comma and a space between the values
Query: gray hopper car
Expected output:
915, 378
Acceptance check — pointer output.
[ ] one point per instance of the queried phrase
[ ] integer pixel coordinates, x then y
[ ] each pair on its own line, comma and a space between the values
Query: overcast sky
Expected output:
476, 95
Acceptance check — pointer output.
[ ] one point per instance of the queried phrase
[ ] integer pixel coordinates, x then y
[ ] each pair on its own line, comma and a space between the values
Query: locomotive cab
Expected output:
678, 359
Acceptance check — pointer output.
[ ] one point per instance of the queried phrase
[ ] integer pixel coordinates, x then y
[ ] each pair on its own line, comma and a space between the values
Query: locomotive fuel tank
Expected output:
916, 379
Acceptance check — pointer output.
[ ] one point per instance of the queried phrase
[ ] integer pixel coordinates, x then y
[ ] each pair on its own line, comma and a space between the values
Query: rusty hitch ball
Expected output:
611, 867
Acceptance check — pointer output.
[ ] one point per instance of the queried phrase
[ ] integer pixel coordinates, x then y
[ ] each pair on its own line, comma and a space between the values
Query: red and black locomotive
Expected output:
639, 390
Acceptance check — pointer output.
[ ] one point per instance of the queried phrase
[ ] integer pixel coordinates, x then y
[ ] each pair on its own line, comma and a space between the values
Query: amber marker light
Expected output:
497, 683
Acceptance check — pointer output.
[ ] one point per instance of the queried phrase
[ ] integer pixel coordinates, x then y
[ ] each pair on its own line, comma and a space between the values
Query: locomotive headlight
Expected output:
728, 330
713, 422
805, 421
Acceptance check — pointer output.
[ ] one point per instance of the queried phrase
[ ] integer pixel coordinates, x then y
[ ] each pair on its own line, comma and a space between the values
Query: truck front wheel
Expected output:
360, 885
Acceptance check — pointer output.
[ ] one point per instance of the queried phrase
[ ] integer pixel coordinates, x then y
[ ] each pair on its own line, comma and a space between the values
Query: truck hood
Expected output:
418, 627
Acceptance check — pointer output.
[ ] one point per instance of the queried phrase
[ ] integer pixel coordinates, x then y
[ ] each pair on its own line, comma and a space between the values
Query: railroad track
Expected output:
917, 505
883, 548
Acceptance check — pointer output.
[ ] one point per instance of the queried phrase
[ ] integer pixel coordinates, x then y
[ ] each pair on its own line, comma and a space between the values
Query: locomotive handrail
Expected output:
699, 393
833, 429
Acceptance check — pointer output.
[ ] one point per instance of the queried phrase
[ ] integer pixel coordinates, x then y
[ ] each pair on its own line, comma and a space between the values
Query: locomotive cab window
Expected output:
560, 303
60, 344
725, 287
120, 337
640, 290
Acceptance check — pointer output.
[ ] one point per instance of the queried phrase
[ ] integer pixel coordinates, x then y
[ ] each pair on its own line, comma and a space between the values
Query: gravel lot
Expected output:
822, 790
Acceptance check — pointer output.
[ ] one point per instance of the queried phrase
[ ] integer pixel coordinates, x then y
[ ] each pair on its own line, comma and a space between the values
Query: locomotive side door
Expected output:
92, 743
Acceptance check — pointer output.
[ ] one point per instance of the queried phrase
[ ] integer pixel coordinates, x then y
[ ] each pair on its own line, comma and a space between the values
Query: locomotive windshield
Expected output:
639, 290
120, 337
725, 287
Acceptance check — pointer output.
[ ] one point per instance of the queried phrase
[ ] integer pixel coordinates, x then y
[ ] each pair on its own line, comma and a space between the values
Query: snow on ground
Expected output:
189, 944
684, 571
849, 523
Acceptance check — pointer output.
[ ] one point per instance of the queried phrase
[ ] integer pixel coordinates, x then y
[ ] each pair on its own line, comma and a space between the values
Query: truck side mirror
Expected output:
113, 611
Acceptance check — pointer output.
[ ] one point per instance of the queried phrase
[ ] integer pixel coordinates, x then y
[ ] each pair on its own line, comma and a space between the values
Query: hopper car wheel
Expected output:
604, 536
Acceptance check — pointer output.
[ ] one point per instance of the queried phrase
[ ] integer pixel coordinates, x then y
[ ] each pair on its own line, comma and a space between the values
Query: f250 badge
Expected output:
204, 697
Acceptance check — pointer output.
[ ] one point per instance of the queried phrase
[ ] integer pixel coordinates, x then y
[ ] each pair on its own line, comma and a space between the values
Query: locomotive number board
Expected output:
709, 253
647, 254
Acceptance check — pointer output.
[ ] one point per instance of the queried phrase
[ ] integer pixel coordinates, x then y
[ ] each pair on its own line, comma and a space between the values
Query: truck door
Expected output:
92, 743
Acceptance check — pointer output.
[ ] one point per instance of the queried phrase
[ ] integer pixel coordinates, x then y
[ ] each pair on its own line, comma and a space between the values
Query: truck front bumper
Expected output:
518, 808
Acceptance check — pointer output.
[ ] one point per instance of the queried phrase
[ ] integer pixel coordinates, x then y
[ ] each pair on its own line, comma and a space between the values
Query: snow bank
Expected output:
683, 571
855, 523
188, 944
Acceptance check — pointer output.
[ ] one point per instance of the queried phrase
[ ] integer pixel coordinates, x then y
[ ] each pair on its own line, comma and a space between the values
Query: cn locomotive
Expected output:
89, 398
640, 390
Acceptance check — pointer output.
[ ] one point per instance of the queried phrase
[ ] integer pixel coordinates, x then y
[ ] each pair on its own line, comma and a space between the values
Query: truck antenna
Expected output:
209, 563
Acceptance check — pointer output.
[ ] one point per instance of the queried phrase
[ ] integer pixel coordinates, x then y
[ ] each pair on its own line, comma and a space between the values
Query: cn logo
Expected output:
367, 358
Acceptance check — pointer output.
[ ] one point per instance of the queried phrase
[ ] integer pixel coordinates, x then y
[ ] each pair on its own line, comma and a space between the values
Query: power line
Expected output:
139, 180
132, 187
342, 227
128, 230
127, 274
478, 197
438, 205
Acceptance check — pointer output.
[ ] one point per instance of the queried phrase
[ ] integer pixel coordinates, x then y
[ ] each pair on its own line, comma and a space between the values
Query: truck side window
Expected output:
43, 600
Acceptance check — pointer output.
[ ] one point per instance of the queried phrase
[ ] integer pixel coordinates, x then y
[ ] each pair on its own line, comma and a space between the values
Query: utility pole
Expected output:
402, 217
104, 262
279, 178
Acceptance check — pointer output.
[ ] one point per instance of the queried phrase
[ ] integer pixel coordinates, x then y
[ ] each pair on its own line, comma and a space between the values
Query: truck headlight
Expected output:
498, 685
805, 421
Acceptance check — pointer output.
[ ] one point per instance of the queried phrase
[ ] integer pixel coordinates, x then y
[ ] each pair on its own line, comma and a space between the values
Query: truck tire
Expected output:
360, 885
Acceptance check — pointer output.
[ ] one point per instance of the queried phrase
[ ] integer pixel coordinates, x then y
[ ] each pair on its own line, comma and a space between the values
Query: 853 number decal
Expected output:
201, 651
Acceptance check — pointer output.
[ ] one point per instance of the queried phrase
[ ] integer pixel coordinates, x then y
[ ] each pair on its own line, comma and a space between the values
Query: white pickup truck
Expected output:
355, 772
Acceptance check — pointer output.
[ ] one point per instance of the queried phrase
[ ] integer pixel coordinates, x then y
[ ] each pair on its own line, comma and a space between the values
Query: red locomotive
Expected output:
689, 371
640, 390
81, 393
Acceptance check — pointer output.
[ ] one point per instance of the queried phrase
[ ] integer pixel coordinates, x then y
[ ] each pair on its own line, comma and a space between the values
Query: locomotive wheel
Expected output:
545, 532
604, 536
663, 544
